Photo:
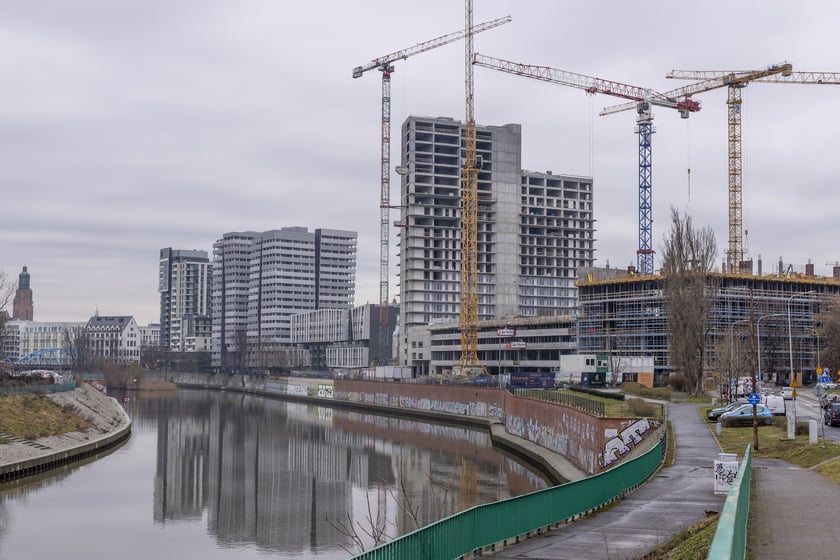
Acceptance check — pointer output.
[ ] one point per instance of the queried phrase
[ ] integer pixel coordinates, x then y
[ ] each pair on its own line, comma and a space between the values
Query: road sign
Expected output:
824, 379
754, 399
793, 382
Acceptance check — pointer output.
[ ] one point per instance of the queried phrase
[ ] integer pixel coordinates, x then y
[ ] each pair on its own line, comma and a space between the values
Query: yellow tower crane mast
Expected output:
385, 65
735, 81
470, 364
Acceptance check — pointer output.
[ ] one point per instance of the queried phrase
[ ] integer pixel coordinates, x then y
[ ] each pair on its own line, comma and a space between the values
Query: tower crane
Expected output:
385, 65
734, 81
642, 98
469, 215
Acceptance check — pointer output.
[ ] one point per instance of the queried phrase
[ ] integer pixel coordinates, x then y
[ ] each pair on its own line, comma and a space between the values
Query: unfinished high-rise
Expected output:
535, 230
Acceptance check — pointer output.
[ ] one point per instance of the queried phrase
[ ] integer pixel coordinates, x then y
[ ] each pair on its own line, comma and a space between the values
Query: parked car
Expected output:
787, 393
714, 413
775, 403
743, 415
828, 399
831, 417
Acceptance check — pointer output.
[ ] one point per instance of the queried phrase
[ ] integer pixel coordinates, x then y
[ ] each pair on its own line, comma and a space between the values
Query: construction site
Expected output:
472, 260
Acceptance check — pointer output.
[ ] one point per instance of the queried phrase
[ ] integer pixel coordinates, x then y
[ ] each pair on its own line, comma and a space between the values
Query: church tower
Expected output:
22, 306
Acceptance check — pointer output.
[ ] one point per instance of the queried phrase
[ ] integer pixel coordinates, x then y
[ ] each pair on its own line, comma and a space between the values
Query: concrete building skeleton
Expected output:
535, 230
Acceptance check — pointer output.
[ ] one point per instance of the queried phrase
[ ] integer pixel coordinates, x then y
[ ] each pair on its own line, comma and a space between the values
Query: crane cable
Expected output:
591, 137
688, 154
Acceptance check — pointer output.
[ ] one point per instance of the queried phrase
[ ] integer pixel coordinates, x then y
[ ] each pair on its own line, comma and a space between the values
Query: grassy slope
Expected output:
35, 416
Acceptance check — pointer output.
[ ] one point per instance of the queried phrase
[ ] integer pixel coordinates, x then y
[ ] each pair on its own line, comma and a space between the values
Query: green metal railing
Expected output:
38, 389
730, 540
486, 525
592, 405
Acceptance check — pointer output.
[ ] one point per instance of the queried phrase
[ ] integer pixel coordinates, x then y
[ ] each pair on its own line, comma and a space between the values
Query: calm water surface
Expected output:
222, 475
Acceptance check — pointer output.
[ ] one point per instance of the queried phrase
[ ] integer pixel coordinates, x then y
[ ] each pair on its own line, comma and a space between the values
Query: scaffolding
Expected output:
626, 315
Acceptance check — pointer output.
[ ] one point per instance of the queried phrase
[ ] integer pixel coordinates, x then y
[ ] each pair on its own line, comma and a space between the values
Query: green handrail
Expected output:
488, 525
730, 540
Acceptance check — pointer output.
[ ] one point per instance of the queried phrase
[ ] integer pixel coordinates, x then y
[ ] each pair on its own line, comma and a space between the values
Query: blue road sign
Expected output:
824, 379
754, 398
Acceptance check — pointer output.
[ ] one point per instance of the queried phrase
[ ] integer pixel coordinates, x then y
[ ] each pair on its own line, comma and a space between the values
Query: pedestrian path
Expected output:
792, 512
673, 500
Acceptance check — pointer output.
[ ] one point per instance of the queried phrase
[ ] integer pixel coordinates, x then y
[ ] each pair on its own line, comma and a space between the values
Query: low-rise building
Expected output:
114, 338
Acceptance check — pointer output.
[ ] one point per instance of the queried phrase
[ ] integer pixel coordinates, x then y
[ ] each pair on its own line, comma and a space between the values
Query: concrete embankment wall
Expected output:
111, 426
591, 444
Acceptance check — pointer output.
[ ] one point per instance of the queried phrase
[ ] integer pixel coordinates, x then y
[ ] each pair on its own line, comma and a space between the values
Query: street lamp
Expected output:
790, 330
758, 336
732, 350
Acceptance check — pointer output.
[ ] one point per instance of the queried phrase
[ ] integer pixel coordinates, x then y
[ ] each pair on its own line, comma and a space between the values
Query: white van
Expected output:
774, 403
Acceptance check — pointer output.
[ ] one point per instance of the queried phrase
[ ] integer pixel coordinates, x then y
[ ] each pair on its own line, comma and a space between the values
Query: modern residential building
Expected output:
114, 338
22, 307
229, 294
260, 280
535, 231
184, 287
532, 344
23, 338
150, 336
344, 339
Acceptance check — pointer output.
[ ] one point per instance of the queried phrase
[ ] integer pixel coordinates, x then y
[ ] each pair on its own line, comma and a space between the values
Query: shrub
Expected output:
598, 393
641, 408
678, 382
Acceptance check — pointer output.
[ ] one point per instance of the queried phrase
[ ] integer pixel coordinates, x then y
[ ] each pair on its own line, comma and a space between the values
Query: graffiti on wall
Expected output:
620, 444
566, 439
325, 391
479, 409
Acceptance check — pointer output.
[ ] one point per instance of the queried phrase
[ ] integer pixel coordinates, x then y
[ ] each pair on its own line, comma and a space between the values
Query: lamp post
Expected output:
790, 333
754, 392
732, 348
758, 345
758, 336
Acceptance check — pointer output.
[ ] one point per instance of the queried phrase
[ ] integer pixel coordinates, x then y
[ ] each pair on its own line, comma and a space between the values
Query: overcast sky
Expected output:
129, 127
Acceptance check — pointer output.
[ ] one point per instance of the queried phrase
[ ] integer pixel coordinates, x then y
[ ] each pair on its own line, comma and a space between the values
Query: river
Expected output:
221, 475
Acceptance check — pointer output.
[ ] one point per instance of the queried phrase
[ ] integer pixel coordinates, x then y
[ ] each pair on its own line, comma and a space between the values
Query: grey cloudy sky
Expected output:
128, 127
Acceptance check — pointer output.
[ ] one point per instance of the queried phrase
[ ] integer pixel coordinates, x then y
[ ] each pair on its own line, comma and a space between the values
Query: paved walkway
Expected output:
676, 498
792, 511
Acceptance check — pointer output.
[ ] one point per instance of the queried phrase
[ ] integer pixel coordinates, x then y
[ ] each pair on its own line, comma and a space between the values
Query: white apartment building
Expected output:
114, 338
229, 293
184, 287
21, 338
260, 280
535, 231
344, 339
150, 335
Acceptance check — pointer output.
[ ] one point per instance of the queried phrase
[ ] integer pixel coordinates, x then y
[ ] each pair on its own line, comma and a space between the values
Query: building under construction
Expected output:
535, 233
771, 318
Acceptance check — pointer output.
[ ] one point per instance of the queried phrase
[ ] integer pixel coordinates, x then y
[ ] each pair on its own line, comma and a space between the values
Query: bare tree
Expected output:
78, 348
688, 256
733, 359
241, 357
7, 294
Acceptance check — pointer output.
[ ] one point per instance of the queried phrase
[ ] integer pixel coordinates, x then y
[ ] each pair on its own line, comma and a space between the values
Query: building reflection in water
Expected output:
295, 478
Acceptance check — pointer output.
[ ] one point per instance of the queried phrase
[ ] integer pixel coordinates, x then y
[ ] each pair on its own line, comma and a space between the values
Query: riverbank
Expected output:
110, 426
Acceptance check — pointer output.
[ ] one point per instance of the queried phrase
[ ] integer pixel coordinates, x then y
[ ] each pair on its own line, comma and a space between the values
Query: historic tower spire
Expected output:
22, 306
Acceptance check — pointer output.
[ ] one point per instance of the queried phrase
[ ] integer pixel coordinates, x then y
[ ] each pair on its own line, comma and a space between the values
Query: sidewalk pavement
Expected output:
674, 499
792, 512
